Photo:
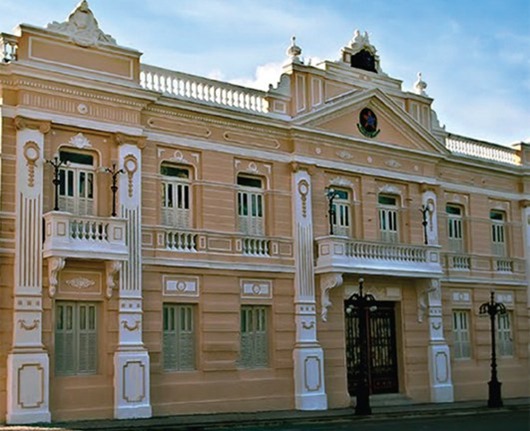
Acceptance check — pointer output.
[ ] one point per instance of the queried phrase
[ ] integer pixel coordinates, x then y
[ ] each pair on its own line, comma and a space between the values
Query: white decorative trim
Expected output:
256, 289
328, 282
80, 283
55, 264
80, 141
180, 285
112, 268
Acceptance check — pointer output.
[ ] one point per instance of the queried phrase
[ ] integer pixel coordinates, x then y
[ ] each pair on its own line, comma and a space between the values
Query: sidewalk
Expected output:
233, 420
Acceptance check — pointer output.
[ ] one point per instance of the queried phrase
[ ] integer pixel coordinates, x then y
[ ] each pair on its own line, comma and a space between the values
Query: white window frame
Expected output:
462, 334
77, 185
251, 207
455, 228
342, 213
498, 233
388, 218
176, 206
254, 336
505, 344
76, 333
178, 337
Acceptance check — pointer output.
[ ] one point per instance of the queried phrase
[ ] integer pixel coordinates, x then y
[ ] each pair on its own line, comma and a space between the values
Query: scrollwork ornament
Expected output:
303, 189
31, 154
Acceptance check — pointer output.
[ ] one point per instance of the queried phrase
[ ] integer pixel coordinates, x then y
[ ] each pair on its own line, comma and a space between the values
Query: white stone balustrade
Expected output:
8, 48
181, 241
196, 88
256, 247
342, 254
460, 262
483, 150
84, 237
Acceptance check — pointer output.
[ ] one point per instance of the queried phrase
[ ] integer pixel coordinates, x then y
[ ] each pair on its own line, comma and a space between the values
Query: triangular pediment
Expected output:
395, 126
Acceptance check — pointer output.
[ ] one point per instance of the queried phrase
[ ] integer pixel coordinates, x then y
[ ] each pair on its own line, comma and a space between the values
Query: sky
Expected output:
474, 55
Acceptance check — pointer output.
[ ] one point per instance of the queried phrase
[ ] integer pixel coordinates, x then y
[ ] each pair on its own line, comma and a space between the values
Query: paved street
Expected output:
484, 421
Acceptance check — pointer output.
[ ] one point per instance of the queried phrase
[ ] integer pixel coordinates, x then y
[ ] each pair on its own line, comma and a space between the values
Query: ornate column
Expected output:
131, 360
430, 304
310, 392
27, 363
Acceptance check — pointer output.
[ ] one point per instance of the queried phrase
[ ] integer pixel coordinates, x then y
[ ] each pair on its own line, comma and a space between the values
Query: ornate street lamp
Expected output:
364, 304
331, 194
56, 164
493, 308
425, 209
114, 187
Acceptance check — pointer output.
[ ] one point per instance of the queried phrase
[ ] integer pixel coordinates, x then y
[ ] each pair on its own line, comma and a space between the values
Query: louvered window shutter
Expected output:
87, 335
65, 358
186, 347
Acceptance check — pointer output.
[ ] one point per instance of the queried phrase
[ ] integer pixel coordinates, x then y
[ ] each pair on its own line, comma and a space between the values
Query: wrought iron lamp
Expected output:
114, 187
364, 302
493, 309
426, 209
56, 164
331, 194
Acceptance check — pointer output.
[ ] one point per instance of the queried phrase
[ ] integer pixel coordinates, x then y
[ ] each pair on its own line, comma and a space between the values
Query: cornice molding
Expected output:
139, 141
22, 123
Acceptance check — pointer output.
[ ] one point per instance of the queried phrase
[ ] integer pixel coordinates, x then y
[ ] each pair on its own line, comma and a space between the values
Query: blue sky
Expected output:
474, 54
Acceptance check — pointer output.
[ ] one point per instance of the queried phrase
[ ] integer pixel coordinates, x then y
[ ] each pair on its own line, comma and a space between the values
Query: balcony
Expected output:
468, 266
84, 237
347, 255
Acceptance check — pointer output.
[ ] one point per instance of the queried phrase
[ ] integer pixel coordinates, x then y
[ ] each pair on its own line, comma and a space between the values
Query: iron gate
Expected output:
381, 339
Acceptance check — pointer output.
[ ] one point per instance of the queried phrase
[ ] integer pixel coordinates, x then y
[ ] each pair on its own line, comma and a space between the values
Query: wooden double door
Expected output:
381, 348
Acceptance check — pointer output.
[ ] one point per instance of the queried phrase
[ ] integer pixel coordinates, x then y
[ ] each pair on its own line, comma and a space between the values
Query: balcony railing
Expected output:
86, 237
199, 89
341, 254
483, 150
461, 265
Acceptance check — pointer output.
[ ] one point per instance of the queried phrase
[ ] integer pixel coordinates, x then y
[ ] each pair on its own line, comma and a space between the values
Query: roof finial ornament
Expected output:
82, 27
294, 51
420, 85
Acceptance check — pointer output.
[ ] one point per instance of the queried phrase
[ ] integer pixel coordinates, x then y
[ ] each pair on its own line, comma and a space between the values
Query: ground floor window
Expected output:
76, 338
254, 337
504, 334
179, 337
461, 334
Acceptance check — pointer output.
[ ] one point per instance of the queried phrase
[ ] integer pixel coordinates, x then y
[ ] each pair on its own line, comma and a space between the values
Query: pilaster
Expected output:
131, 360
430, 305
28, 363
310, 391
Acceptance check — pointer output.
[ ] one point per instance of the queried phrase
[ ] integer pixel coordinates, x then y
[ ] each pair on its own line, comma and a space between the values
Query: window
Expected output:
388, 218
250, 205
461, 334
455, 228
341, 213
504, 334
76, 183
178, 337
498, 235
76, 339
254, 343
176, 203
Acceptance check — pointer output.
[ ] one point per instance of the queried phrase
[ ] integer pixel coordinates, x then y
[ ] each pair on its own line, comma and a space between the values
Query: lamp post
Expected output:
493, 308
114, 187
364, 304
56, 164
331, 194
424, 210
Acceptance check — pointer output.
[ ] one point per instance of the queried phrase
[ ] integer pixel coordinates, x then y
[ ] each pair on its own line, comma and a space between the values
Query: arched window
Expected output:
176, 196
76, 182
388, 218
342, 213
250, 205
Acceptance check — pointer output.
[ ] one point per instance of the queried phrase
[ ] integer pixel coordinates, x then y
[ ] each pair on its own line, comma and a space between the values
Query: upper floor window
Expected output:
455, 228
76, 342
504, 334
388, 218
176, 199
342, 213
250, 205
498, 232
76, 183
178, 337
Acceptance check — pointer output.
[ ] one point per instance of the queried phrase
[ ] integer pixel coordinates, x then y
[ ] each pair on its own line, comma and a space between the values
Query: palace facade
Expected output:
171, 244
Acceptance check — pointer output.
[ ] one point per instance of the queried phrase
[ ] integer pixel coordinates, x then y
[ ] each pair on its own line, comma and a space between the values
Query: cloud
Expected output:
265, 74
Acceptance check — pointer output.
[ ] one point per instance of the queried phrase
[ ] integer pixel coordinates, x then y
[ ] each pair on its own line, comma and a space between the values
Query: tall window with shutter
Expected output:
504, 334
388, 218
254, 352
76, 183
178, 337
461, 334
455, 228
76, 338
176, 196
498, 232
250, 205
342, 213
